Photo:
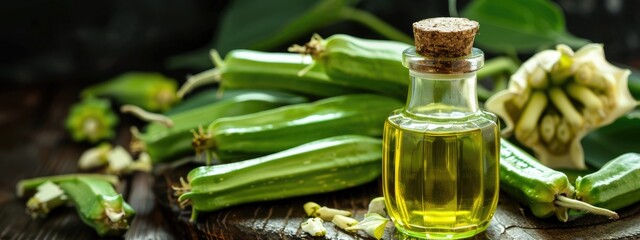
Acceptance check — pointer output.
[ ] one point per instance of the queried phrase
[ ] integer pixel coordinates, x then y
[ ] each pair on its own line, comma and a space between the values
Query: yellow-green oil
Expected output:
440, 178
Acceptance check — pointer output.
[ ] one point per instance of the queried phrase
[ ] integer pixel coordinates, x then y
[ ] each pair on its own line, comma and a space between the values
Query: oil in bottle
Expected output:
441, 152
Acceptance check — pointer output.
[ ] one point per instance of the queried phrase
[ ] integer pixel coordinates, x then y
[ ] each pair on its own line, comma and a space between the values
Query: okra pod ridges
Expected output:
147, 116
580, 205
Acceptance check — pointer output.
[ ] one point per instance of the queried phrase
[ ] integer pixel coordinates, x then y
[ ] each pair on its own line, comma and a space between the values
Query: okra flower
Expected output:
557, 97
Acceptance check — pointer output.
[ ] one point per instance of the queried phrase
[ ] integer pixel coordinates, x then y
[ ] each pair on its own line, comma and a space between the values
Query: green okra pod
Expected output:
614, 186
244, 69
375, 65
148, 90
162, 143
99, 205
289, 126
205, 97
545, 191
325, 165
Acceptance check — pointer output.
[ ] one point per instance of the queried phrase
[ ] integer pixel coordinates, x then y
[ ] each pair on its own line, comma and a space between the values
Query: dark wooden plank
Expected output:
281, 219
149, 222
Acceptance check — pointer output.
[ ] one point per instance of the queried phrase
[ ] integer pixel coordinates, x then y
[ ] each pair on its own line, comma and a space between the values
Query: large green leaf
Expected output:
523, 26
611, 141
264, 25
634, 83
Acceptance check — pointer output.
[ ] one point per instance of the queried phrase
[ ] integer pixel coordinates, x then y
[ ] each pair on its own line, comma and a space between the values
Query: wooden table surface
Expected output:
34, 143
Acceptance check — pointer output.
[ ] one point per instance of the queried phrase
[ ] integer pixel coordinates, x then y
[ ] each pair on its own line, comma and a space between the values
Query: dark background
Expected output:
82, 42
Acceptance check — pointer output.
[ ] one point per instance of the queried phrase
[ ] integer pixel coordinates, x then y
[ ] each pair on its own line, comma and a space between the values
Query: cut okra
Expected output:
310, 208
373, 224
377, 206
327, 214
117, 159
48, 196
95, 157
91, 120
344, 222
314, 227
99, 205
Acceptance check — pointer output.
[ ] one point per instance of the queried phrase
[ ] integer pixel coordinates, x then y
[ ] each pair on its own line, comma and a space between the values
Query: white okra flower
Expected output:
557, 97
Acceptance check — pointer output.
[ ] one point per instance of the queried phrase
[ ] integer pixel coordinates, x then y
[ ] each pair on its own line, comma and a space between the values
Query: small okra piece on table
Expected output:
99, 205
93, 195
91, 120
48, 197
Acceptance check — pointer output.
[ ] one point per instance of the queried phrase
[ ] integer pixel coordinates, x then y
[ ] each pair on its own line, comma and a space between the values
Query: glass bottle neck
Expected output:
442, 95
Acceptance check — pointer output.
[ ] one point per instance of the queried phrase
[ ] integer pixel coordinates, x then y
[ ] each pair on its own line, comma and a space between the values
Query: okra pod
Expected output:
26, 187
614, 186
320, 166
205, 97
289, 126
151, 91
375, 65
544, 190
243, 69
99, 205
162, 143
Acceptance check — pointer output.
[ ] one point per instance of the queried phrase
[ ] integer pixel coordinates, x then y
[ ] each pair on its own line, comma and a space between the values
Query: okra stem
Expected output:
207, 77
147, 116
580, 205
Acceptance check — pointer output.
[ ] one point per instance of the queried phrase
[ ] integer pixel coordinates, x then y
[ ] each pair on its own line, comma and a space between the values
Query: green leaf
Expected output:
524, 26
264, 25
611, 141
634, 83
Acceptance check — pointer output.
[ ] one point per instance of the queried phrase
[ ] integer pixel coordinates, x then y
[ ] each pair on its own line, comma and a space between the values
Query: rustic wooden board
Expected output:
281, 219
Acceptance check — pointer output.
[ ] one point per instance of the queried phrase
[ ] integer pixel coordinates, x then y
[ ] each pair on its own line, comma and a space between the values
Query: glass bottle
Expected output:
441, 151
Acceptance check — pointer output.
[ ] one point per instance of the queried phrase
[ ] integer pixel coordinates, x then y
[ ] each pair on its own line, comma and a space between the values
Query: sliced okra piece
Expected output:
377, 205
373, 224
95, 157
48, 196
314, 227
344, 222
99, 205
327, 213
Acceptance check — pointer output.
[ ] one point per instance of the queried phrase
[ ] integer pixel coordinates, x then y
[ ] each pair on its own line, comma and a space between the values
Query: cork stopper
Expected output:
444, 37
